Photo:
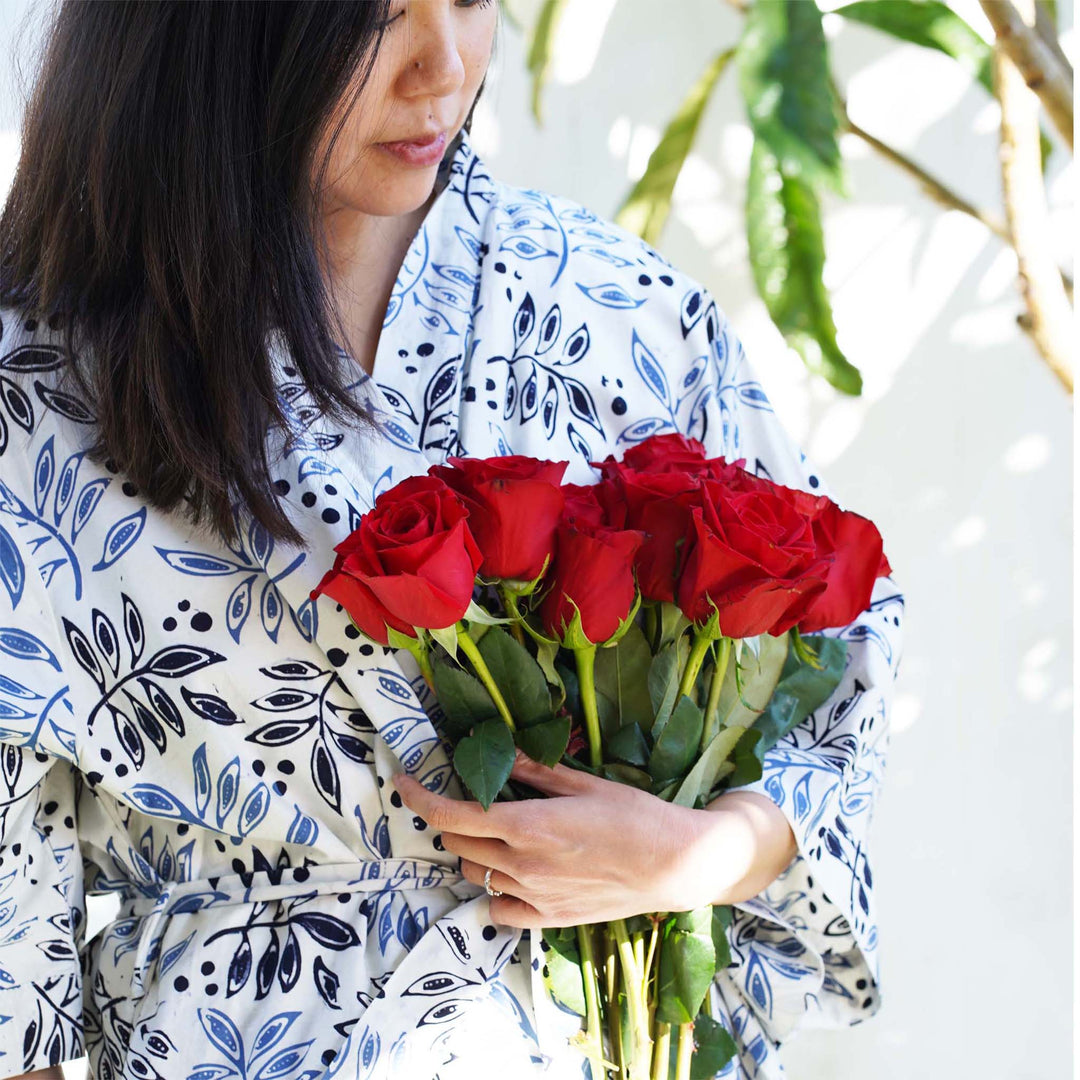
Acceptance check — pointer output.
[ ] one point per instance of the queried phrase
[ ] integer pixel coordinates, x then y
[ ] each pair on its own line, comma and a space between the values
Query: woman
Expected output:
231, 318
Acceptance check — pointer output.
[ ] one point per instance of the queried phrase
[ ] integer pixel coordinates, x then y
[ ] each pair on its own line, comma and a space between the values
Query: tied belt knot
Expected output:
147, 912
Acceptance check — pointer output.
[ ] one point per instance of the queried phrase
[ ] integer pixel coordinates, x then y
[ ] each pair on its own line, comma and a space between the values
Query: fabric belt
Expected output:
156, 903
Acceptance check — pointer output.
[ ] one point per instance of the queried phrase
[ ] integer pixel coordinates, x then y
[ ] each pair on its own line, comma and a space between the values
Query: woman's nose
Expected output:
433, 63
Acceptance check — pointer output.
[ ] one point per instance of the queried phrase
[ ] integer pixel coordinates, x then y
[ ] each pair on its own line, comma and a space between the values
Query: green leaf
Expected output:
622, 674
713, 1047
760, 675
687, 966
664, 673
934, 25
930, 24
787, 257
607, 713
569, 678
627, 774
721, 920
484, 759
676, 746
462, 697
784, 77
709, 766
645, 210
747, 762
629, 744
672, 622
562, 969
545, 742
800, 690
540, 48
518, 677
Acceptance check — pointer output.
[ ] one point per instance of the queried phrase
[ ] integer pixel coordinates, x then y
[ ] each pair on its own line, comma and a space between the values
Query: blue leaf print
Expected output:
201, 773
86, 503
44, 471
223, 1033
393, 687
524, 318
314, 466
272, 1032
238, 607
306, 620
328, 930
581, 403
649, 369
121, 537
610, 295
326, 983
157, 801
24, 646
12, 568
303, 829
271, 609
176, 661
20, 407
106, 638
549, 407
65, 404
690, 310
751, 394
254, 809
211, 1072
574, 348
410, 926
550, 326
228, 786
65, 487
524, 248
757, 982
209, 706
642, 429
386, 928
284, 1061
170, 956
196, 563
133, 628
800, 794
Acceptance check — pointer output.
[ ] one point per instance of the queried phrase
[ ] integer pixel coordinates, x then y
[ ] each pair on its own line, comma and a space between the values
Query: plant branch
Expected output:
1049, 316
1045, 69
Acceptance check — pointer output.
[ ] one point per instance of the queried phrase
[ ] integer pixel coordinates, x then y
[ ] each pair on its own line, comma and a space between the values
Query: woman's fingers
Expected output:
442, 813
561, 780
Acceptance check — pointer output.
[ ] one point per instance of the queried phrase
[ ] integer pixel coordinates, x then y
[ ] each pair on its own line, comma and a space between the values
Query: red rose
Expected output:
514, 505
658, 504
853, 545
583, 504
670, 453
755, 556
411, 562
592, 568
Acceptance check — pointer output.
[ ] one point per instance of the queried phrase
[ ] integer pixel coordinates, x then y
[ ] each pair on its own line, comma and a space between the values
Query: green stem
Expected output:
586, 658
685, 1051
594, 1046
468, 647
693, 664
633, 981
611, 999
719, 671
419, 650
662, 1051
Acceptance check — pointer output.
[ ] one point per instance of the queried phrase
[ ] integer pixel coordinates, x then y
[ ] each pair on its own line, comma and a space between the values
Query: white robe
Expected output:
181, 725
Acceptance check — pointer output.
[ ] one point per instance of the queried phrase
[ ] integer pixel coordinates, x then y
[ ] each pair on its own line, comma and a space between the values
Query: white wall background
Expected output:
960, 449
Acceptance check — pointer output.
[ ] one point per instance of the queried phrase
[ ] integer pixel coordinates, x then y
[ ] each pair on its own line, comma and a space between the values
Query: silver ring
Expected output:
487, 883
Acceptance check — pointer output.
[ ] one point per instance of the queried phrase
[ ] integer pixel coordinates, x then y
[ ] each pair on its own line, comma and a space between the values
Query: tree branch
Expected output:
1045, 70
1049, 315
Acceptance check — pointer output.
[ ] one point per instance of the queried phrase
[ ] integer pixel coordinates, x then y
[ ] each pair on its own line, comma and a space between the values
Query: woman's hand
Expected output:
598, 850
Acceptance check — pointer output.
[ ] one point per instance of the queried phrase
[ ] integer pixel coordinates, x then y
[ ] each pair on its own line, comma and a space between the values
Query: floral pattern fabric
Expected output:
183, 727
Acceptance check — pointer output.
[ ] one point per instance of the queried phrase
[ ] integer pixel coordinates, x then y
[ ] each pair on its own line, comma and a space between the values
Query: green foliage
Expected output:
563, 963
787, 257
485, 758
518, 677
687, 965
783, 71
621, 674
645, 210
462, 696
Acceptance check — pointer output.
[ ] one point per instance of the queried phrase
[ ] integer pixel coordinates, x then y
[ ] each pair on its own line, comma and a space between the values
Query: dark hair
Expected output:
162, 211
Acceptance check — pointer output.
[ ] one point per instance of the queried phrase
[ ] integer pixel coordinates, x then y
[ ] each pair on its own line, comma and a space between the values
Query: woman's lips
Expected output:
417, 153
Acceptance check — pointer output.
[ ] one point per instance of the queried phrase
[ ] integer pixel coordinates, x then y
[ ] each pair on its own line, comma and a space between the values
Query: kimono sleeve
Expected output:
42, 904
808, 943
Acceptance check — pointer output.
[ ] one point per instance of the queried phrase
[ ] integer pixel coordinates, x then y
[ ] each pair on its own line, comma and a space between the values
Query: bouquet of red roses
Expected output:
649, 628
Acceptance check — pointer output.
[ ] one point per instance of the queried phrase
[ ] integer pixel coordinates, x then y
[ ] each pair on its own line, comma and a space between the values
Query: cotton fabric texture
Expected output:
183, 727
